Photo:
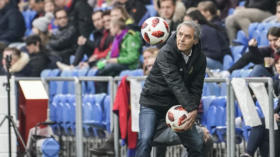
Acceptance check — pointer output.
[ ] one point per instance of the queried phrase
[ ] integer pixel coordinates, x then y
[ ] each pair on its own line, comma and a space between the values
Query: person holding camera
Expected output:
15, 62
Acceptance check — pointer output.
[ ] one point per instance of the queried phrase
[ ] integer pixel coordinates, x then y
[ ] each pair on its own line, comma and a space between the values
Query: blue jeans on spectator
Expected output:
148, 121
260, 71
214, 64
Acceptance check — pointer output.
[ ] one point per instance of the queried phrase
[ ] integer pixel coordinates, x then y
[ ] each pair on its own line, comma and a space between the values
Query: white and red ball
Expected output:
176, 118
155, 30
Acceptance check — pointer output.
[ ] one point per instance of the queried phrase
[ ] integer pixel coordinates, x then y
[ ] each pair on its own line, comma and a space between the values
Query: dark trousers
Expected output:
80, 52
148, 122
259, 138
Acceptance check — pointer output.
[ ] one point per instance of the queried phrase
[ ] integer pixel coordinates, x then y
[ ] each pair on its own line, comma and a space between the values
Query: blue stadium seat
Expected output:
66, 119
227, 62
206, 101
45, 73
82, 73
245, 72
107, 110
252, 28
237, 51
88, 113
90, 84
241, 38
53, 84
93, 112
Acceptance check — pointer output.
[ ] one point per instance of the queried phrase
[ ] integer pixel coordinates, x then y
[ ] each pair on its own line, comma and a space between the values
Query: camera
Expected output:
8, 61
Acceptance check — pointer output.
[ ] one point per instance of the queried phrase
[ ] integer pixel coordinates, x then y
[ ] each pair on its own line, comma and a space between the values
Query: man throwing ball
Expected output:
176, 78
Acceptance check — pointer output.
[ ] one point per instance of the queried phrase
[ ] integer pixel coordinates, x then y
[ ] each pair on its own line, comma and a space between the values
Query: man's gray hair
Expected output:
192, 25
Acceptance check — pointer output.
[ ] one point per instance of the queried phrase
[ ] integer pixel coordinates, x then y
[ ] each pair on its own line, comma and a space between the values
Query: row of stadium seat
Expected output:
96, 111
214, 117
88, 87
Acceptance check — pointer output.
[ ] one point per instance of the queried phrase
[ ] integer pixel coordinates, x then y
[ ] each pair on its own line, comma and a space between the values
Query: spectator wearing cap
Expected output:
40, 27
12, 26
63, 43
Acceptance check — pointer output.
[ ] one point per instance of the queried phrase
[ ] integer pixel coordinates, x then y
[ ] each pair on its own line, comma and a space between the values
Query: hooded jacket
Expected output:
172, 81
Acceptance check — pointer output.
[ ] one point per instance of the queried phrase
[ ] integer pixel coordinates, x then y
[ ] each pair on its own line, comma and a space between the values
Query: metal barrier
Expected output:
267, 80
113, 88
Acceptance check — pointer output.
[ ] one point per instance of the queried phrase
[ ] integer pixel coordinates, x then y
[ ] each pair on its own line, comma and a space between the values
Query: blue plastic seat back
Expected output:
45, 73
98, 108
211, 89
245, 72
88, 101
235, 74
82, 73
241, 38
227, 62
221, 111
107, 112
66, 114
206, 101
53, 84
237, 52
211, 117
64, 86
252, 28
90, 84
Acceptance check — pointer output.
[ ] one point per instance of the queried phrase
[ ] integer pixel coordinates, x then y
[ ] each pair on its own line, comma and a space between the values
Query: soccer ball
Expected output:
155, 30
176, 118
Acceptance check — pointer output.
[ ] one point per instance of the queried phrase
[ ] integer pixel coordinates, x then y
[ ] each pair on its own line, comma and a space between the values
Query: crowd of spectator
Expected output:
105, 35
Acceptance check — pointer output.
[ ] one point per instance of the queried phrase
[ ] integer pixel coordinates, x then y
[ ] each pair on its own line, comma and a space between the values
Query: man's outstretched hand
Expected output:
191, 119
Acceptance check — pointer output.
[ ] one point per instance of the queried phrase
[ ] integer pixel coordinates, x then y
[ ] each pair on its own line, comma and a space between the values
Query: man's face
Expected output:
3, 3
33, 48
61, 19
107, 21
278, 13
167, 9
185, 38
97, 20
272, 42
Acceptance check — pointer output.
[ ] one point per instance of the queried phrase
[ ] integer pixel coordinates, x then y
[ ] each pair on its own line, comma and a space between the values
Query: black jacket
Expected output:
255, 55
172, 81
63, 43
80, 16
12, 26
38, 62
